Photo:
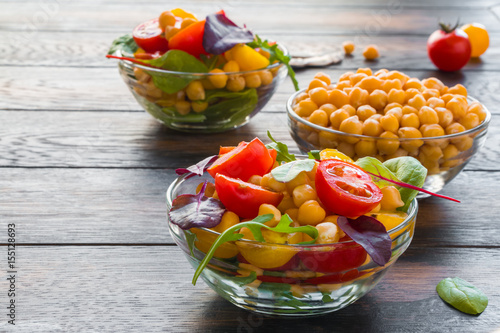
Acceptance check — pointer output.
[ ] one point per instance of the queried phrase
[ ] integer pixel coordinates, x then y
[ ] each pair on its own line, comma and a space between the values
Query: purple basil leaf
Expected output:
221, 34
198, 168
196, 211
370, 234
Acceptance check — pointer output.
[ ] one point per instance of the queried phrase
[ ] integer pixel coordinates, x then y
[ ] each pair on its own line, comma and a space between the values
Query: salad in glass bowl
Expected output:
279, 235
200, 75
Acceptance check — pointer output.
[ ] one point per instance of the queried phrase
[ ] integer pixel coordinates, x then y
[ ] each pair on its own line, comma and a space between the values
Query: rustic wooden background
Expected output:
83, 171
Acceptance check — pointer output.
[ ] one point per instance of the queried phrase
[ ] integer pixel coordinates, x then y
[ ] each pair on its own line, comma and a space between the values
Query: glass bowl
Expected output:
442, 163
311, 280
212, 109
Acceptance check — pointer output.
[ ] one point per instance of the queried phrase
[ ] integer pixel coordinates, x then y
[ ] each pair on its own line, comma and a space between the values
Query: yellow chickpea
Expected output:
397, 112
356, 77
418, 101
195, 91
378, 99
338, 98
319, 117
398, 153
478, 109
183, 107
358, 97
432, 130
431, 93
328, 108
228, 220
166, 19
433, 83
463, 143
365, 111
317, 83
371, 52
457, 107
432, 153
370, 83
252, 80
306, 107
301, 179
398, 75
341, 85
413, 133
447, 97
323, 77
388, 85
266, 77
303, 193
345, 76
328, 139
435, 102
187, 22
454, 128
413, 83
337, 117
199, 106
351, 125
391, 106
388, 146
409, 109
470, 120
348, 47
218, 81
231, 67
366, 70
346, 148
372, 127
458, 90
396, 96
328, 233
269, 182
410, 93
445, 116
410, 120
350, 110
311, 213
319, 96
428, 115
236, 83
270, 209
389, 122
365, 148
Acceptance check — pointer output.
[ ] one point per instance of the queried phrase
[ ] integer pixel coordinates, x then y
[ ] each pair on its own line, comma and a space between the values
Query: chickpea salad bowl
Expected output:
386, 115
200, 76
283, 236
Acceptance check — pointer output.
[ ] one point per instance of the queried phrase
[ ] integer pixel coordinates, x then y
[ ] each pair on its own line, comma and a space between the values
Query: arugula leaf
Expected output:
281, 149
196, 210
370, 234
190, 239
288, 171
275, 54
221, 34
314, 154
255, 226
125, 44
462, 295
198, 168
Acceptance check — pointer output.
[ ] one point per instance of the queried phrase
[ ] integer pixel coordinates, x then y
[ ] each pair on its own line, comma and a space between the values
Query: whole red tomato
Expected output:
449, 48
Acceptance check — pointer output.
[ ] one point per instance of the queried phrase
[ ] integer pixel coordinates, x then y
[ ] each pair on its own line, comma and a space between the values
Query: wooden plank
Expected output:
87, 49
98, 89
123, 289
127, 206
120, 139
30, 17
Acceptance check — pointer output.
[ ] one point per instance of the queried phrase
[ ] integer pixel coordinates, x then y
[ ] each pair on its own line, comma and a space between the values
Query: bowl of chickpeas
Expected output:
223, 99
387, 114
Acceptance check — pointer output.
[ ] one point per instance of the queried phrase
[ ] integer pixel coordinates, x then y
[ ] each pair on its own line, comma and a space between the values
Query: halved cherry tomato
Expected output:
244, 198
148, 36
266, 256
226, 149
190, 39
244, 161
289, 266
335, 258
346, 189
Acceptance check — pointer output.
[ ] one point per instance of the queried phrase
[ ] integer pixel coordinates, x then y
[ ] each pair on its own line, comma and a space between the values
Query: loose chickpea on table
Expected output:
396, 114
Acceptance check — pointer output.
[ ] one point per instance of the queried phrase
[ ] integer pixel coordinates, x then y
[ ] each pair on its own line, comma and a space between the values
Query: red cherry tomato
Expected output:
449, 49
244, 198
244, 161
148, 36
346, 189
338, 257
190, 39
226, 149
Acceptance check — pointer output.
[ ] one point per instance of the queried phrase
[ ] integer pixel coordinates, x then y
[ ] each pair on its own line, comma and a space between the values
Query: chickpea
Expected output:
371, 52
199, 106
218, 81
365, 148
358, 97
166, 19
432, 153
319, 117
390, 123
445, 116
410, 132
348, 47
435, 102
338, 98
187, 22
347, 149
182, 107
370, 83
345, 76
372, 127
365, 111
323, 77
410, 120
386, 146
341, 85
228, 220
470, 120
301, 179
270, 209
328, 108
366, 70
337, 117
303, 193
409, 109
397, 112
458, 90
195, 91
433, 83
463, 143
252, 80
349, 109
432, 130
398, 75
266, 77
457, 107
328, 233
328, 139
398, 153
388, 85
410, 93
311, 213
396, 96
356, 77
413, 83
286, 203
317, 83
269, 182
478, 109
351, 125
231, 67
378, 99
306, 107
236, 83
255, 179
427, 115
454, 128
431, 93
319, 95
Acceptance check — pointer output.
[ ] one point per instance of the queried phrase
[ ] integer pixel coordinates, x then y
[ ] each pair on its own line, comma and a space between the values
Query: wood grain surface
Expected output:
84, 170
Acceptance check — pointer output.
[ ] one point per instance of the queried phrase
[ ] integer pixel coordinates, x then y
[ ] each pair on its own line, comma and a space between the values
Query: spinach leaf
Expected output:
255, 226
275, 54
281, 149
125, 44
408, 170
230, 108
462, 295
288, 171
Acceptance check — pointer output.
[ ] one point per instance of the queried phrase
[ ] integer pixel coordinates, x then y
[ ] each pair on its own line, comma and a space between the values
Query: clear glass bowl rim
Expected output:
412, 214
296, 117
164, 71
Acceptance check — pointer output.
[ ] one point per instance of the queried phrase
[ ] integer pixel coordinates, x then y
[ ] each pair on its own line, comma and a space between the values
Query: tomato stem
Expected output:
447, 27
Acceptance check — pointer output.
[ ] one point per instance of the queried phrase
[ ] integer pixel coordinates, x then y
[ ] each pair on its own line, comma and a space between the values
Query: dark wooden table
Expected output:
83, 172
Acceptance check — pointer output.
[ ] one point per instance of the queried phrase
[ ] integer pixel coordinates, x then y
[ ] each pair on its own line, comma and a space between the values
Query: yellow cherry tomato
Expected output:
179, 12
329, 154
478, 37
205, 239
247, 58
267, 255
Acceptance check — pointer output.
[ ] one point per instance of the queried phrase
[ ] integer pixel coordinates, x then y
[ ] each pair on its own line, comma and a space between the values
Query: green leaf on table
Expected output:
281, 149
255, 226
462, 295
288, 171
410, 171
125, 44
178, 61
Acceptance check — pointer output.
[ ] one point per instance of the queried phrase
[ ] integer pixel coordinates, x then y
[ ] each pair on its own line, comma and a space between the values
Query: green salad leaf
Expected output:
314, 154
125, 44
230, 107
281, 148
373, 165
462, 295
288, 171
255, 226
275, 54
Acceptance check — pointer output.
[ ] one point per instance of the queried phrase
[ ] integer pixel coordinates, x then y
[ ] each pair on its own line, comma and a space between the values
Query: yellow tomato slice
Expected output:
266, 256
329, 154
179, 12
205, 239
